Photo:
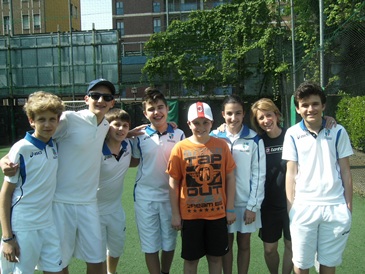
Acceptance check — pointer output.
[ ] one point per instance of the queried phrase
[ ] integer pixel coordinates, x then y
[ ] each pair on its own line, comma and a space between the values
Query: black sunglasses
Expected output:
96, 96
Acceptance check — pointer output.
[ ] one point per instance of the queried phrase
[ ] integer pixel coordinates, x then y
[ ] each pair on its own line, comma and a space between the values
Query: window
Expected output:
26, 22
36, 21
156, 7
120, 27
119, 7
156, 25
6, 24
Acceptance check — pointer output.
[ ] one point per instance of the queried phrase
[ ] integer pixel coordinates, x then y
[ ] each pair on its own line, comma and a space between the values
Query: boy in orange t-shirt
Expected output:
202, 191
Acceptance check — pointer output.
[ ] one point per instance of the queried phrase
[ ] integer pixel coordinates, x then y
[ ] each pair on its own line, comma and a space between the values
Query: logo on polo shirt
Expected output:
35, 153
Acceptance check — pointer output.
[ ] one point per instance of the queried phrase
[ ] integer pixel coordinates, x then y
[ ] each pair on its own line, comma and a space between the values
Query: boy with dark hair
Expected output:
117, 152
202, 190
151, 193
29, 235
318, 184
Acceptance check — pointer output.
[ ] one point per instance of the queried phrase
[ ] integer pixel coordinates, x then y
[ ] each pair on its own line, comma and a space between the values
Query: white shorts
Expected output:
240, 226
38, 248
154, 226
113, 228
322, 229
79, 230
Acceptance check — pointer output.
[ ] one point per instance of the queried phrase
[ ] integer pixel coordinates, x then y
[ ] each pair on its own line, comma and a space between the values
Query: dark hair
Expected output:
117, 113
307, 89
152, 95
232, 99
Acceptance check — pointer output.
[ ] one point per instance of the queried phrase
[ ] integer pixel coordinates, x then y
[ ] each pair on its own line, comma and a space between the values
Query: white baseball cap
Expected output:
199, 110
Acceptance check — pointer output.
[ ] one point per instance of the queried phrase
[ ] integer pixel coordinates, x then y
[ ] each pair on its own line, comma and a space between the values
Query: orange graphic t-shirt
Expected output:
201, 169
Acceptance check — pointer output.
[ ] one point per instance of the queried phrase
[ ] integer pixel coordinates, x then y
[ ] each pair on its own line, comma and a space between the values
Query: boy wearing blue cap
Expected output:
80, 137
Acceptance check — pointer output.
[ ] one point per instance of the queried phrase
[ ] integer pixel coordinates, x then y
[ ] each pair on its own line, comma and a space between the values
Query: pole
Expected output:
72, 76
294, 77
321, 44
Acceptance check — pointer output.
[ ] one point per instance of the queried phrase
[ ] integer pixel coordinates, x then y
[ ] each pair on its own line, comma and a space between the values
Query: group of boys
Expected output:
186, 185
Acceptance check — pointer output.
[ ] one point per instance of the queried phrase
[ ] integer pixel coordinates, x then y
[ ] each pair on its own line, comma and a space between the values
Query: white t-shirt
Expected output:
112, 178
153, 151
80, 140
319, 178
35, 182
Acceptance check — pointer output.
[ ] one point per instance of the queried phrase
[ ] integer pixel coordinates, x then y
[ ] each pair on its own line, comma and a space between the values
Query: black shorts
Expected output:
274, 224
204, 237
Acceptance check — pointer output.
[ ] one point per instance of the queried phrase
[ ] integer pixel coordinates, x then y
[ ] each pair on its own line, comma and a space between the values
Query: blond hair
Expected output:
263, 104
41, 101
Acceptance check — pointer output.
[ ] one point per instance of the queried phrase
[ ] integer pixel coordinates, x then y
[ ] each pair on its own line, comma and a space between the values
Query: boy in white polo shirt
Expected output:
151, 193
117, 153
29, 235
318, 184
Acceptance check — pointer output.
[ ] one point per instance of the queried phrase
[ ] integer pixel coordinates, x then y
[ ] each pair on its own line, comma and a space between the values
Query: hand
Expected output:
176, 222
249, 217
330, 122
173, 124
11, 251
136, 131
222, 127
231, 218
8, 168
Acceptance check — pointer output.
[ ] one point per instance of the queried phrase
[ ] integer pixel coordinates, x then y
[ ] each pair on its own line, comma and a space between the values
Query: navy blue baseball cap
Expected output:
103, 82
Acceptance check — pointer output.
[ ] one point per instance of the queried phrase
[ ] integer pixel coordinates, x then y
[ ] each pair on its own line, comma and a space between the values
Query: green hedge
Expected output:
351, 115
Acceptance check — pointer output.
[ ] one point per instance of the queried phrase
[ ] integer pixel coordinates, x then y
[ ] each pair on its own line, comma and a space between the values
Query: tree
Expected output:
343, 39
216, 48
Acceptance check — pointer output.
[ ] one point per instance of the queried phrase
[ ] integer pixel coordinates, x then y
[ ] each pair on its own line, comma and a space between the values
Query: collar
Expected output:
304, 127
150, 131
106, 150
36, 142
245, 131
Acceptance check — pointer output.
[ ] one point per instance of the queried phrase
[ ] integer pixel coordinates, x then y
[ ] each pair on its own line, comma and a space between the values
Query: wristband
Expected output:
5, 240
230, 210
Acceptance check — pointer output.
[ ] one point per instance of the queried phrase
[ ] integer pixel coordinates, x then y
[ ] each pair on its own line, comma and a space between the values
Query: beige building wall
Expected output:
38, 16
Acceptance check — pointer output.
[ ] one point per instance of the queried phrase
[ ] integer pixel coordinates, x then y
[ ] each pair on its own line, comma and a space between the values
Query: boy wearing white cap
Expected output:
202, 190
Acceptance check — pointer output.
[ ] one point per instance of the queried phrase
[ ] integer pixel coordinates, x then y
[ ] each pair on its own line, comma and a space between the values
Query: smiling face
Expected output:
99, 106
118, 130
156, 113
268, 121
44, 124
200, 127
233, 114
310, 109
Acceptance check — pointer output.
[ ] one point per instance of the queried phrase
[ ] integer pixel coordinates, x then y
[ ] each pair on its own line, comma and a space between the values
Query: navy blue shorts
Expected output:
204, 237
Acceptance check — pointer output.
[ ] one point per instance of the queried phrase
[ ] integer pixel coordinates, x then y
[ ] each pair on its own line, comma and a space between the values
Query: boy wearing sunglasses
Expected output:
80, 137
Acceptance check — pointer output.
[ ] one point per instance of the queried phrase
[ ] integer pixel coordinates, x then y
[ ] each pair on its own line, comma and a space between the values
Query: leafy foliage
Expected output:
350, 114
214, 48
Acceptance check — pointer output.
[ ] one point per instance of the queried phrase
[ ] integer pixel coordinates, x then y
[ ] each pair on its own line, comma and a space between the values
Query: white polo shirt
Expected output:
80, 140
35, 182
112, 177
248, 151
319, 178
153, 150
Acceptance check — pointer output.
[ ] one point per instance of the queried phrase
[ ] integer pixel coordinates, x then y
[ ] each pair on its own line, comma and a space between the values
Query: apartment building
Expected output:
39, 16
138, 20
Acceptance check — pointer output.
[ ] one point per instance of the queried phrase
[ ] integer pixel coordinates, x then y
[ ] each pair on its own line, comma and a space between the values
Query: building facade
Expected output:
137, 22
39, 16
